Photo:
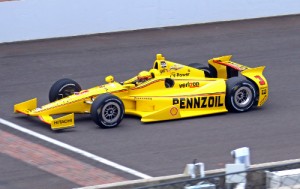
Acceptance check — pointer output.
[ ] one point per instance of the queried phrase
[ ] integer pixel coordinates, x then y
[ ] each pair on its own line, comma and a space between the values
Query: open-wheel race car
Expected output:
167, 91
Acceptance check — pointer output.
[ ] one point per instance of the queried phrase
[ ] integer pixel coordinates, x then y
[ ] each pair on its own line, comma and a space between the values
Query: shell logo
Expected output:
174, 111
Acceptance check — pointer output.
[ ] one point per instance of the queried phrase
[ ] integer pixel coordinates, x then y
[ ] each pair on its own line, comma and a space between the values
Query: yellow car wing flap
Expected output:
63, 122
26, 107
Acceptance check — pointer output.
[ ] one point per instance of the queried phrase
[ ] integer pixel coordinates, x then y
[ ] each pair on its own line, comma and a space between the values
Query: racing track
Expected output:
272, 132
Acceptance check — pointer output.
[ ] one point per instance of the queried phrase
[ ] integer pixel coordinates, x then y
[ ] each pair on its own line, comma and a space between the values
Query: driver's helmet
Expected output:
144, 76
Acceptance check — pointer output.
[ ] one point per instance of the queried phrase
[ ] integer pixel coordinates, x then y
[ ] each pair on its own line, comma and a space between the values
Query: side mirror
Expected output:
109, 79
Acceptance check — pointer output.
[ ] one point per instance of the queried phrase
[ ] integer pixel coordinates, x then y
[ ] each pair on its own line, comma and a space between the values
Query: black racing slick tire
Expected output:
241, 94
199, 66
107, 111
63, 88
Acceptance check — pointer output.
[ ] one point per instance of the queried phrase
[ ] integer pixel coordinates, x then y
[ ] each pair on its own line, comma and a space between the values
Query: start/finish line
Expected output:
74, 149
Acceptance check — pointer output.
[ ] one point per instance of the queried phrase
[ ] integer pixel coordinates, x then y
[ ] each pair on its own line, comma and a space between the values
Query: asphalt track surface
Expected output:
272, 131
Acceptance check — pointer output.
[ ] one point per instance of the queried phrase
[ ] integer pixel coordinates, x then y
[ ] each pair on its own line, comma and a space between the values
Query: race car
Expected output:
167, 91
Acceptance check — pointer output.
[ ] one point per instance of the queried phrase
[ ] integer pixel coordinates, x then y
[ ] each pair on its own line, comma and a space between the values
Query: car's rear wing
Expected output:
223, 67
28, 108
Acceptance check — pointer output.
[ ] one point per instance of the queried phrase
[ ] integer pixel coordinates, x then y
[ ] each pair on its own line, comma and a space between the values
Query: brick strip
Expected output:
53, 162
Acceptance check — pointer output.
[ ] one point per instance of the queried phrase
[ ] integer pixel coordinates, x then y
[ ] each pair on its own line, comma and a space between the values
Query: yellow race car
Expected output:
167, 91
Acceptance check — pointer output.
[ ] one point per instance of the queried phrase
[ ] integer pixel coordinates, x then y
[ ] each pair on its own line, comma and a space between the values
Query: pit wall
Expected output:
39, 19
257, 178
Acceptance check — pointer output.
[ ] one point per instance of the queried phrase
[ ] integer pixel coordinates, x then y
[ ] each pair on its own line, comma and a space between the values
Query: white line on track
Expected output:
74, 149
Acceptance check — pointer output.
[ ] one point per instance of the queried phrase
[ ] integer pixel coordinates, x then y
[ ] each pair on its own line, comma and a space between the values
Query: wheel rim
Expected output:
243, 97
67, 91
111, 112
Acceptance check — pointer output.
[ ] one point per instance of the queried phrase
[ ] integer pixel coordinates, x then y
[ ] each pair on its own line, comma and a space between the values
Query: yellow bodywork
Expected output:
175, 91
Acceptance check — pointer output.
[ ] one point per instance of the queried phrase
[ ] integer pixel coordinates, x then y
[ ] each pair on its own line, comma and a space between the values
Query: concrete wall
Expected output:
38, 19
256, 177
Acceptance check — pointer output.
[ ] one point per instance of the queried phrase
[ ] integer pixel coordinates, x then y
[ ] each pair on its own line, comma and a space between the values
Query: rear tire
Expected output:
240, 94
207, 71
107, 111
63, 88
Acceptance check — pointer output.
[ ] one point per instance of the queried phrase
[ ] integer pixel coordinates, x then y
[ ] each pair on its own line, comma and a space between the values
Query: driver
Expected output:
143, 76
140, 78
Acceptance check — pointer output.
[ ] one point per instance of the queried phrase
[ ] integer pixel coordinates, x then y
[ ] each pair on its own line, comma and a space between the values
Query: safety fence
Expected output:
282, 177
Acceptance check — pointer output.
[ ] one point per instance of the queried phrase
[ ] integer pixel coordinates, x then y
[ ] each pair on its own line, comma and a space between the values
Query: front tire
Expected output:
63, 88
240, 94
107, 111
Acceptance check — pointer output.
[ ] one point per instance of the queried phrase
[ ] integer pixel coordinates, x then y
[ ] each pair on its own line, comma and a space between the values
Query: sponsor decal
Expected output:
198, 102
264, 91
58, 122
239, 66
174, 111
142, 98
179, 74
233, 65
189, 84
176, 67
261, 80
163, 64
163, 71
